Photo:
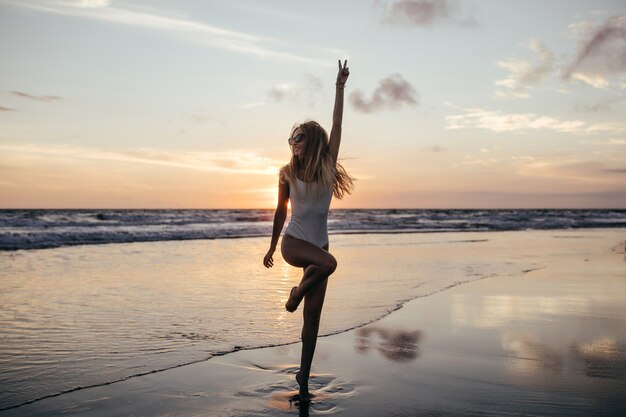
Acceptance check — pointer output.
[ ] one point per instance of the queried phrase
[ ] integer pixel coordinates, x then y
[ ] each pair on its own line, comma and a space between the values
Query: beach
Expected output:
426, 324
470, 193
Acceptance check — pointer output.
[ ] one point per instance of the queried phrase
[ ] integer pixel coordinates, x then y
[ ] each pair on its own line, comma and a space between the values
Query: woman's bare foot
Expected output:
303, 394
292, 303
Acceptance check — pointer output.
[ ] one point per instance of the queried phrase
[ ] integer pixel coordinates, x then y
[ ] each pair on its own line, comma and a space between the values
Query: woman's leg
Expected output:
318, 264
312, 312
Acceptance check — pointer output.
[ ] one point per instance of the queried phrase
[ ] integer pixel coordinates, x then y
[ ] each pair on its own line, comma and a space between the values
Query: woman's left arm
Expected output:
335, 132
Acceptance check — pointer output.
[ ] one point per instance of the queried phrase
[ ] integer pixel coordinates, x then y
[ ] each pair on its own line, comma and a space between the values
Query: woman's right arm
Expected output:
335, 132
279, 221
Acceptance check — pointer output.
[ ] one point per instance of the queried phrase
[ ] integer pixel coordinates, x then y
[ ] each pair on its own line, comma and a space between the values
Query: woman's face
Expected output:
298, 147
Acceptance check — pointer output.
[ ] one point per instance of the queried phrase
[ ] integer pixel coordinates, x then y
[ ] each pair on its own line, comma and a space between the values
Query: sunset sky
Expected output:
189, 103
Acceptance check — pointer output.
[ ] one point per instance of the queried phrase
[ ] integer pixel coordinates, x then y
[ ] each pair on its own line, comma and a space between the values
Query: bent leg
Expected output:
318, 264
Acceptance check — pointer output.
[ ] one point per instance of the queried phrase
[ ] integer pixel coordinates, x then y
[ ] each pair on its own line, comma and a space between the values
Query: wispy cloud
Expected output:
601, 55
279, 92
602, 106
497, 121
422, 13
164, 20
470, 160
617, 141
525, 74
392, 92
93, 3
234, 162
570, 167
308, 89
608, 142
252, 105
2, 108
582, 29
33, 97
602, 51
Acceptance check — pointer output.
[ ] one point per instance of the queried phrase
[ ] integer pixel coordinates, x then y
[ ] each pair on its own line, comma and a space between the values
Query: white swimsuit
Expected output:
309, 213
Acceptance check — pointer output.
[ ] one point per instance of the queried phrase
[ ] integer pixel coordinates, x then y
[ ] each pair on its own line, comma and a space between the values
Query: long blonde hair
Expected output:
317, 163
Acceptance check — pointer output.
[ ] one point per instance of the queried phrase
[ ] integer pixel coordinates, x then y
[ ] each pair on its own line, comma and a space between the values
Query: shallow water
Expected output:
87, 315
547, 339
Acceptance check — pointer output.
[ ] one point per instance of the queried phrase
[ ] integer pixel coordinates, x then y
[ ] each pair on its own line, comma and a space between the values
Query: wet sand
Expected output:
549, 341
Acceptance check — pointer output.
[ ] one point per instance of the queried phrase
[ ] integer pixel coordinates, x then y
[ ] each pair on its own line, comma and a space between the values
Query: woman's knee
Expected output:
327, 265
330, 264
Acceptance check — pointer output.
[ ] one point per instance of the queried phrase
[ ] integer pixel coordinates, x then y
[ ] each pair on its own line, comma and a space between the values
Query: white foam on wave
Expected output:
40, 229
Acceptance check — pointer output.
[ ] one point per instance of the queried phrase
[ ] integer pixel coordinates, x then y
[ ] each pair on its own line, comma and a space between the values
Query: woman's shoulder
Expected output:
284, 173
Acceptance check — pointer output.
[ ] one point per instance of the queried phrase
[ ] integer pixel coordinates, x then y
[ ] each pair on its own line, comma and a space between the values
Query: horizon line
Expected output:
342, 208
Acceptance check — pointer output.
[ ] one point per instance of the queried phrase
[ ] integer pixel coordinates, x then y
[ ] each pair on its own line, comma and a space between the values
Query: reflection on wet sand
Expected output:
603, 358
529, 354
497, 311
394, 344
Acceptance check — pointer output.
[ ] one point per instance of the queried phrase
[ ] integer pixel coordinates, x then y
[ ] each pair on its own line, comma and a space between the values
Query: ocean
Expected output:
40, 229
90, 297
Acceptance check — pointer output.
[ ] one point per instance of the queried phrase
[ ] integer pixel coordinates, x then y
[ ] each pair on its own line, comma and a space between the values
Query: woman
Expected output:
310, 180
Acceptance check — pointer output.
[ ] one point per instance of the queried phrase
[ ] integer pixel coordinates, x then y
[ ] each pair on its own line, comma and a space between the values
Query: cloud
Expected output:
470, 160
38, 98
7, 109
617, 141
571, 167
581, 30
601, 54
392, 92
94, 3
611, 141
279, 92
525, 74
601, 106
187, 29
422, 13
308, 89
497, 121
234, 162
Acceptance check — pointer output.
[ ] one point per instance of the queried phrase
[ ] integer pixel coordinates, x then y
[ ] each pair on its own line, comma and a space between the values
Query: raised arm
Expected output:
279, 222
335, 132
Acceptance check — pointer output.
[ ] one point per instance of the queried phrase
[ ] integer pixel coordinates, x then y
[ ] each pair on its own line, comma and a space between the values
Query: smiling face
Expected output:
297, 148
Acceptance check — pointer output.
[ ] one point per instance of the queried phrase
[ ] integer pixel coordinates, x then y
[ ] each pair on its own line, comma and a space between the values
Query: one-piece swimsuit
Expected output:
309, 212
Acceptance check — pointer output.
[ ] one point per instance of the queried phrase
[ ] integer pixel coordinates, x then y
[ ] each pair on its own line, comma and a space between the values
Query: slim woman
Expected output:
310, 180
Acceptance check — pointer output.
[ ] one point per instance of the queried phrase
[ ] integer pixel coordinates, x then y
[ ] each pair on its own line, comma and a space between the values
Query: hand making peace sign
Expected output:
344, 72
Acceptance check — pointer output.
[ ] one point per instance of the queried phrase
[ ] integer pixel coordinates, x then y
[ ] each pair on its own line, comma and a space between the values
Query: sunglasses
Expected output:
296, 139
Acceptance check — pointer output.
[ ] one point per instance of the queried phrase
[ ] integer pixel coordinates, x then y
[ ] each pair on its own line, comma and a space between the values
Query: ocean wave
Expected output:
41, 229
